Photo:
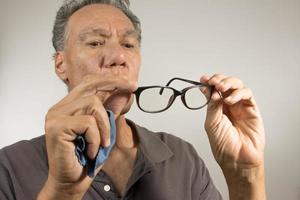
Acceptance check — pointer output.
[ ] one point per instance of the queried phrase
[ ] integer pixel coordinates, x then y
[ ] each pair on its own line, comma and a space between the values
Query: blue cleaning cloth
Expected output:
103, 153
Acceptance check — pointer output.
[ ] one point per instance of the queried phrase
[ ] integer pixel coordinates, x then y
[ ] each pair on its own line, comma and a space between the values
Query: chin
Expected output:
128, 105
119, 104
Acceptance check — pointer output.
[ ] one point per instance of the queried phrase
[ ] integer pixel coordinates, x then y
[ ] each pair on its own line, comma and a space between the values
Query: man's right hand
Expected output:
81, 112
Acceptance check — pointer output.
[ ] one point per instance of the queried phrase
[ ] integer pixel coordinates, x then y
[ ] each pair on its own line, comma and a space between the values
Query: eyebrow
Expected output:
93, 32
133, 33
104, 33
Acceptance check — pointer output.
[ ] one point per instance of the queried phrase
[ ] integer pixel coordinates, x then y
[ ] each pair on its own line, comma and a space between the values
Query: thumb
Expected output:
214, 114
214, 108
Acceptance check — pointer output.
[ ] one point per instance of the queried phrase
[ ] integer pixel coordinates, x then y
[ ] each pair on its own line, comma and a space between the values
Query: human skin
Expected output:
100, 65
237, 138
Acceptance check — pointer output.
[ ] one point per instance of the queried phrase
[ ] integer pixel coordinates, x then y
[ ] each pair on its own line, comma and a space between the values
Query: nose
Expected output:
114, 56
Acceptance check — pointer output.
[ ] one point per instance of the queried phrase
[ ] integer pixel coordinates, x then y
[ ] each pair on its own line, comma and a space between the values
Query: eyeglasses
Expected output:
155, 99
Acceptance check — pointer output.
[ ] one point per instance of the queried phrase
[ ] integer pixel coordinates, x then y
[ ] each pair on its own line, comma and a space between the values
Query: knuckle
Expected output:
51, 111
229, 78
216, 78
224, 82
90, 121
95, 106
95, 101
52, 124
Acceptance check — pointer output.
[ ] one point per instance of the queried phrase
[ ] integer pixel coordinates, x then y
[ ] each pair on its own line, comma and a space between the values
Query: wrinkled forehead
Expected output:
98, 17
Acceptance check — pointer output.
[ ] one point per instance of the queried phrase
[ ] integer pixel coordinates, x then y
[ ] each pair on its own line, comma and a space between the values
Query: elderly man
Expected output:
97, 56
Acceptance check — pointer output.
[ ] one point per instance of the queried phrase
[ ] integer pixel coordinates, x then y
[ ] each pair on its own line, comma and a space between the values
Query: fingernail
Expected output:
107, 144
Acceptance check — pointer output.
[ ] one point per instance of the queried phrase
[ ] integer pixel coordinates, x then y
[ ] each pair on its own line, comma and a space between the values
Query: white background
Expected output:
255, 40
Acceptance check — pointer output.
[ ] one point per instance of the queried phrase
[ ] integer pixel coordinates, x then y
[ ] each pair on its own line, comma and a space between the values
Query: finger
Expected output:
224, 85
90, 105
215, 79
207, 91
91, 134
95, 83
215, 107
67, 128
244, 94
103, 124
93, 106
216, 96
204, 79
229, 83
214, 113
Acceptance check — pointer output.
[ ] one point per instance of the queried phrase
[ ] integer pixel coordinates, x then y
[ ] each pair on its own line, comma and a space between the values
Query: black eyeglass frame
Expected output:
176, 93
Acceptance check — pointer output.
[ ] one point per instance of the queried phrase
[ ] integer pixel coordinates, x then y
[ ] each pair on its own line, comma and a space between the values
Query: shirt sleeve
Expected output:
23, 170
6, 185
203, 187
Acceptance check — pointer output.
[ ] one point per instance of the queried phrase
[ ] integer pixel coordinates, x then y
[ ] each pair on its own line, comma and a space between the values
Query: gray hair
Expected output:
69, 7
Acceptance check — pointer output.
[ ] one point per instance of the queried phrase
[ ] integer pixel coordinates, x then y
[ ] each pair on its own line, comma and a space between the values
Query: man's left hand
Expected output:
234, 124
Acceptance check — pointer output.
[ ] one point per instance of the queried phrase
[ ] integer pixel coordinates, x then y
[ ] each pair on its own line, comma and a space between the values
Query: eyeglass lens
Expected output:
194, 98
151, 100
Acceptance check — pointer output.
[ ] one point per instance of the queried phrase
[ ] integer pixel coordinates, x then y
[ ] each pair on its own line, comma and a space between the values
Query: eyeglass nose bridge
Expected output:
176, 93
182, 96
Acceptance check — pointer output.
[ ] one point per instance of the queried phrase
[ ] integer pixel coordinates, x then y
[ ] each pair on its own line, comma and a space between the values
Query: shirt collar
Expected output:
151, 144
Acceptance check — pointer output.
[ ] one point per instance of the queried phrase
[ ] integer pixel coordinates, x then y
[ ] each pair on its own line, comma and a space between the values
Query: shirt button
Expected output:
106, 188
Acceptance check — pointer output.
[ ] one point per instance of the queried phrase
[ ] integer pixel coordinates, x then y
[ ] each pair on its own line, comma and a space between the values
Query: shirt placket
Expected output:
104, 187
141, 168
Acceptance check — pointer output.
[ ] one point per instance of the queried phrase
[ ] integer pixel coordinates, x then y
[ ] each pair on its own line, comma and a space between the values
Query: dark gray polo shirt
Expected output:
166, 168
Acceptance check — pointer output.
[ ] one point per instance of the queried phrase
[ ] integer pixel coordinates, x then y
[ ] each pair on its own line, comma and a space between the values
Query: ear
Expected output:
61, 67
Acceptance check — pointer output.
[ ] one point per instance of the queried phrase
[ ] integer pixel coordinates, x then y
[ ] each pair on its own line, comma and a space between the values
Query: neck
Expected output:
126, 138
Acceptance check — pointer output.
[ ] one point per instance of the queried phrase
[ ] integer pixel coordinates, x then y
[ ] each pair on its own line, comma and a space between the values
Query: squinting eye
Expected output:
128, 45
96, 43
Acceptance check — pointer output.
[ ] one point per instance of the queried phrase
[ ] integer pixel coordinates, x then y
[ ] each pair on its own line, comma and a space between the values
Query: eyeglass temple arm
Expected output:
185, 80
181, 79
